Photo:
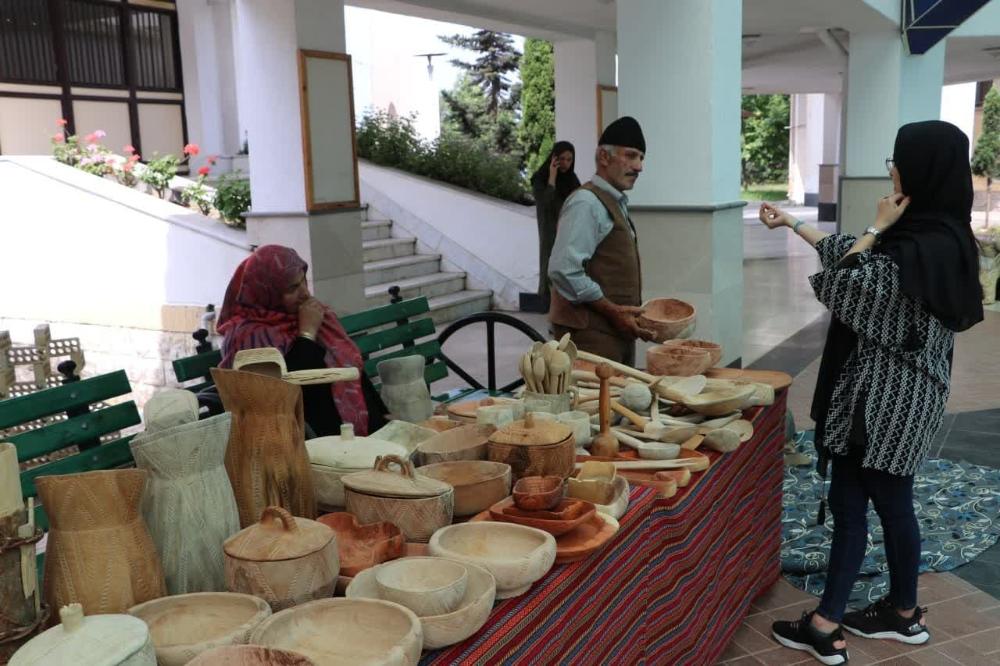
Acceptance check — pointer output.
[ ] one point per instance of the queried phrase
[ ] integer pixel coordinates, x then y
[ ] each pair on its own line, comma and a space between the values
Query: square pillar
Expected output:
886, 88
270, 33
679, 75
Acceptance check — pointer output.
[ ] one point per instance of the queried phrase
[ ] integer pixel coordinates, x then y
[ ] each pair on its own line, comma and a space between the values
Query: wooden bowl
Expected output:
185, 625
667, 317
467, 442
714, 349
427, 586
722, 401
619, 502
479, 484
450, 628
677, 361
250, 655
538, 493
516, 555
567, 515
363, 546
345, 631
586, 539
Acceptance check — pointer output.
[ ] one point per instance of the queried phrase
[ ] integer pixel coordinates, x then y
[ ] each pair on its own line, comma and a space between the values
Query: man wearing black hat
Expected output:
594, 266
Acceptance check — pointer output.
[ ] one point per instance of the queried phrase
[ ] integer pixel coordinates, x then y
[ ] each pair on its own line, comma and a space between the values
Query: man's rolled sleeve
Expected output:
583, 224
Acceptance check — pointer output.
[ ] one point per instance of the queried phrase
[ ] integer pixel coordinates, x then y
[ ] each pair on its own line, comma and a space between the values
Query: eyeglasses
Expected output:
889, 163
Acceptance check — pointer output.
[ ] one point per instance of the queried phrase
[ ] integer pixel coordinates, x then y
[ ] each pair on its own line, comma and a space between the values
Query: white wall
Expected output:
958, 107
576, 100
494, 241
82, 249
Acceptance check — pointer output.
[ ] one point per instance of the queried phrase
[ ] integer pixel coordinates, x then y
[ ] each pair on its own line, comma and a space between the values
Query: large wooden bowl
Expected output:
185, 625
479, 484
667, 317
363, 546
250, 655
450, 628
516, 555
677, 361
466, 442
714, 349
346, 631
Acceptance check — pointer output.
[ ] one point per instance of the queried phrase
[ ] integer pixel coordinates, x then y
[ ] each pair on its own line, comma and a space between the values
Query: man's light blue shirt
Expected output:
583, 223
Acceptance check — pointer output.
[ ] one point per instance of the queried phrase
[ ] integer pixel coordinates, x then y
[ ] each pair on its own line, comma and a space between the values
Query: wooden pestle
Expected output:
605, 444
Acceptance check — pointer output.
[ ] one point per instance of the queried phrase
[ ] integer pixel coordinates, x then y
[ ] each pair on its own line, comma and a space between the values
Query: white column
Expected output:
679, 76
813, 137
958, 107
886, 89
269, 34
576, 100
200, 64
829, 166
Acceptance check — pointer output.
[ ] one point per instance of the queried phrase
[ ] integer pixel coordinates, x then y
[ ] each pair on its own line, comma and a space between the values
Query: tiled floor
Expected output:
964, 624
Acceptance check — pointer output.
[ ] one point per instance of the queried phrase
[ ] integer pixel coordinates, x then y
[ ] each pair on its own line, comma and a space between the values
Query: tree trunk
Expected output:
989, 201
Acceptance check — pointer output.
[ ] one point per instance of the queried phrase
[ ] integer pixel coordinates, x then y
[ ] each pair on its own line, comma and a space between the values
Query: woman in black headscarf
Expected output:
897, 295
551, 184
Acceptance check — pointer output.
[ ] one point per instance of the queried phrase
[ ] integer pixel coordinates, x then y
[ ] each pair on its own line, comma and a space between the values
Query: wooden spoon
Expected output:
559, 366
539, 370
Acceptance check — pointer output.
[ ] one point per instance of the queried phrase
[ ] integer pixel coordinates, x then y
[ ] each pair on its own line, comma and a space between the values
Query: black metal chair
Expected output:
491, 319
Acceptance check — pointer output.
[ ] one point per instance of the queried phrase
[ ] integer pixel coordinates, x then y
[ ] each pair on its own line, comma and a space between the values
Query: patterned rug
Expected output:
957, 505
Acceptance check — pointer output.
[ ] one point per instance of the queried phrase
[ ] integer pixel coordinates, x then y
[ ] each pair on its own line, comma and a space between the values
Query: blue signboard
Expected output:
927, 22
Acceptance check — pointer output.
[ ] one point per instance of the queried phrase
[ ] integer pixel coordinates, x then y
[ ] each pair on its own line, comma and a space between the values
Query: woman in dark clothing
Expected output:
268, 304
551, 184
897, 295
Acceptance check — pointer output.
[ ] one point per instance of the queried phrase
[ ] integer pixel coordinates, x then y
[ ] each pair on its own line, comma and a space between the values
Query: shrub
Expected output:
232, 199
198, 193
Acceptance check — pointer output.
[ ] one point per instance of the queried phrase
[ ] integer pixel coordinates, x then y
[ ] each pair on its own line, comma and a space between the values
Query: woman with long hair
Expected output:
268, 304
554, 180
897, 297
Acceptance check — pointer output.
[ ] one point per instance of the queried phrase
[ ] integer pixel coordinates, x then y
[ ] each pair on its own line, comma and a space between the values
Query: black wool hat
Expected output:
624, 132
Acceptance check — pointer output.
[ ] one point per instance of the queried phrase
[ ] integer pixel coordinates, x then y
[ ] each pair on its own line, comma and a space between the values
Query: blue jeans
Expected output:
851, 487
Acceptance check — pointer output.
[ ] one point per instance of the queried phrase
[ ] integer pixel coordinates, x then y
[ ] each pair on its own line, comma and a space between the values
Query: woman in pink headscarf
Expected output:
268, 304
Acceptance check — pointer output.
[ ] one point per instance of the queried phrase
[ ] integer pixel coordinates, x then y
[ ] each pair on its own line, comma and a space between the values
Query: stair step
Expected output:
432, 285
459, 304
388, 248
376, 230
401, 268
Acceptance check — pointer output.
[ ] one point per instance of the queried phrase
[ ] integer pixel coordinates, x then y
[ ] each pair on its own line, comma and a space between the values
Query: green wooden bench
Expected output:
385, 332
81, 428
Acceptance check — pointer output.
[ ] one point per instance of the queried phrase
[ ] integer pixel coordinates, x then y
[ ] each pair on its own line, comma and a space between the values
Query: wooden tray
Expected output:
779, 380
579, 543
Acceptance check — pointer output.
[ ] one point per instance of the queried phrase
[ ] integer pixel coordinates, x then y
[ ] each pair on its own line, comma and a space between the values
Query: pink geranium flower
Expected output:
212, 159
58, 137
204, 171
192, 149
129, 148
62, 122
90, 138
100, 134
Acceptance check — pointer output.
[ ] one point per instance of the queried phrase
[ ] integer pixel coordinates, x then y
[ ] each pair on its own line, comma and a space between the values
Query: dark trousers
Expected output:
851, 487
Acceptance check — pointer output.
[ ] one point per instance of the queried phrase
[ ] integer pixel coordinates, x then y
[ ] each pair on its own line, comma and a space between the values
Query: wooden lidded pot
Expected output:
418, 505
283, 559
534, 448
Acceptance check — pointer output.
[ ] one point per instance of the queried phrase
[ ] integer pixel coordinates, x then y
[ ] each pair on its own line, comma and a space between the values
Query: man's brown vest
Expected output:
614, 267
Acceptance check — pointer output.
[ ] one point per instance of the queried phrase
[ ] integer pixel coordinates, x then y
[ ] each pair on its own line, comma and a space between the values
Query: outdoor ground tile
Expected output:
985, 642
931, 656
980, 573
986, 420
880, 650
741, 661
960, 618
897, 661
780, 595
782, 656
732, 652
966, 656
752, 641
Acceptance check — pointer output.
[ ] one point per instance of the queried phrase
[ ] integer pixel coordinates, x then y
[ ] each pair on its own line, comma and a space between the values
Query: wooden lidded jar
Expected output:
534, 448
418, 505
283, 559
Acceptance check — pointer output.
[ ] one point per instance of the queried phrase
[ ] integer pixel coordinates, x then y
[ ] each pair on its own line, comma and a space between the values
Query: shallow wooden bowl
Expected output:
363, 546
667, 317
713, 348
449, 628
619, 502
720, 402
427, 586
566, 516
185, 625
538, 493
586, 539
479, 484
250, 655
467, 442
677, 361
516, 555
345, 631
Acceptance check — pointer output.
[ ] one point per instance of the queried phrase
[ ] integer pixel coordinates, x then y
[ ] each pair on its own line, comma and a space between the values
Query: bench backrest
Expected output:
374, 331
49, 421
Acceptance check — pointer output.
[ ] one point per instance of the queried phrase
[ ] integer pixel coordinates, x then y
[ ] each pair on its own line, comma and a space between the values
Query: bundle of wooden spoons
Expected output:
548, 367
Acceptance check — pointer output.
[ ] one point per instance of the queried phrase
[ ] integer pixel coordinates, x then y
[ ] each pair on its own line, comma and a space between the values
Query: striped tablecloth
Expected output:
670, 588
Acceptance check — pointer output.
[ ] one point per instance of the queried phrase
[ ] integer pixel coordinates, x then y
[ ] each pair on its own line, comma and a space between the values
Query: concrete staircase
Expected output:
393, 261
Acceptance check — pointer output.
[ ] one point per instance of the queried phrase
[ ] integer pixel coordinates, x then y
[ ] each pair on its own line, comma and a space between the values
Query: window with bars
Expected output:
93, 44
153, 50
27, 54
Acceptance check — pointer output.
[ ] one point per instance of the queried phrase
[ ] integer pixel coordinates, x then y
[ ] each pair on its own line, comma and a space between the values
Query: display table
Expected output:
671, 587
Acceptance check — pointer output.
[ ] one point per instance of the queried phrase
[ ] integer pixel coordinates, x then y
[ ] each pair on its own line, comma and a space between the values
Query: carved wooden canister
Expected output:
266, 458
283, 559
99, 551
188, 504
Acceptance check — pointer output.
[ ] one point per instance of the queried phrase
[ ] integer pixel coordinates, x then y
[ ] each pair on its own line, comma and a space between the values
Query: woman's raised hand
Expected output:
890, 209
773, 217
311, 316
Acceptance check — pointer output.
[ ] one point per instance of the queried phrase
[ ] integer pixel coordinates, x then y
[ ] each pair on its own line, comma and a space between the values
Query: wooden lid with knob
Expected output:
532, 432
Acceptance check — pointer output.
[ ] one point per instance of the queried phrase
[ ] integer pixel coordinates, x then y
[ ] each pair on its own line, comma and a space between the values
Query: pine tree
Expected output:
538, 108
986, 156
497, 58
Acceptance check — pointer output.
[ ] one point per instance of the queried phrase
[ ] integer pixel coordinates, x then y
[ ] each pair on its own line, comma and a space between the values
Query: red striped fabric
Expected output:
670, 588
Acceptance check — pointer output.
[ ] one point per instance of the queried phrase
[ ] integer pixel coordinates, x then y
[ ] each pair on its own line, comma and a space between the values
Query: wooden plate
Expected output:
579, 543
778, 380
576, 513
